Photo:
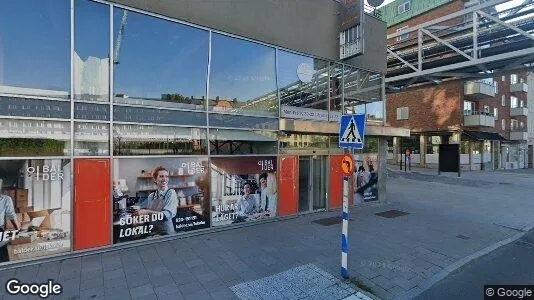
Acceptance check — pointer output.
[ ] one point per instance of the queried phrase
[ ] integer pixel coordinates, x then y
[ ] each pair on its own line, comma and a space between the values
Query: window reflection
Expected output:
158, 62
336, 91
91, 51
91, 139
132, 139
363, 93
298, 140
233, 121
303, 81
34, 138
242, 77
158, 116
35, 48
224, 141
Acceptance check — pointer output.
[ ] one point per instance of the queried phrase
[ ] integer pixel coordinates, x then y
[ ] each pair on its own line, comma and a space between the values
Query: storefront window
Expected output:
412, 143
91, 51
159, 196
133, 139
39, 194
36, 108
242, 77
90, 111
297, 140
35, 48
432, 144
303, 85
91, 139
236, 121
158, 116
243, 189
158, 62
224, 141
363, 93
464, 147
34, 138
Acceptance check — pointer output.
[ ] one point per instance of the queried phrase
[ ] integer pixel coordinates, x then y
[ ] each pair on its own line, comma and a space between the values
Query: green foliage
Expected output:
22, 147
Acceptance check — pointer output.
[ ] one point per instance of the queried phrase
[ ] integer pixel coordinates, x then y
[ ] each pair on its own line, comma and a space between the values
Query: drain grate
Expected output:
329, 221
463, 237
391, 213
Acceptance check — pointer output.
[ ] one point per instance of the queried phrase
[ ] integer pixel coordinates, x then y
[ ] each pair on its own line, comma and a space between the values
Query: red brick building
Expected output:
487, 117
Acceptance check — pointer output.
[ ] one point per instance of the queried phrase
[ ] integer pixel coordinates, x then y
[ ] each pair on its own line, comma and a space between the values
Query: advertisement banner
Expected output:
366, 178
159, 196
35, 205
243, 189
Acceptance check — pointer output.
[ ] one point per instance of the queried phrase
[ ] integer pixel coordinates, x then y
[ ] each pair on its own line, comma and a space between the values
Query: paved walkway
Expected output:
388, 257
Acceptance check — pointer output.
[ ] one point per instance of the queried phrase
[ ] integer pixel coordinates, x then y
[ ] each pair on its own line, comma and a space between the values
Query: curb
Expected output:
427, 284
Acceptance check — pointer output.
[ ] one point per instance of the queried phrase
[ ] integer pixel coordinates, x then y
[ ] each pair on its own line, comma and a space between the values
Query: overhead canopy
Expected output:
483, 136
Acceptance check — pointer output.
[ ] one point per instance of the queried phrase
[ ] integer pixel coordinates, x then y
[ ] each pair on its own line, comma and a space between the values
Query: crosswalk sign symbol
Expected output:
352, 131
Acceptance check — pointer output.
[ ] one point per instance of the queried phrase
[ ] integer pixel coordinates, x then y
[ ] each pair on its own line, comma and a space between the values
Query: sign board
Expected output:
347, 165
352, 131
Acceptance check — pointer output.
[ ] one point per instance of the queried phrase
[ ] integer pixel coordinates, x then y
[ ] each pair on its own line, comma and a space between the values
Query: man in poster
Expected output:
267, 198
7, 212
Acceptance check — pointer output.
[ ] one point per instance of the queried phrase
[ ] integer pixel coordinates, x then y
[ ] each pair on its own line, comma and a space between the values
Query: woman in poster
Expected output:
162, 201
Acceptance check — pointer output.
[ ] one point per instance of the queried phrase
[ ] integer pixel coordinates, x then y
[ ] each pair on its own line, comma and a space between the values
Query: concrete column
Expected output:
382, 168
422, 146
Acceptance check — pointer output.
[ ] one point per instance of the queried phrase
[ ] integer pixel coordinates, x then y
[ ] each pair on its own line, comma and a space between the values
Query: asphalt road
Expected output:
512, 264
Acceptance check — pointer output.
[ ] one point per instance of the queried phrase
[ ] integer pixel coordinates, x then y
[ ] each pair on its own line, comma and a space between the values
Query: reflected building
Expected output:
91, 78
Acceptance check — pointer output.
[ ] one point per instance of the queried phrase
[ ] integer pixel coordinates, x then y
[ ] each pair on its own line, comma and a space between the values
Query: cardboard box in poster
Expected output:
36, 207
243, 189
159, 196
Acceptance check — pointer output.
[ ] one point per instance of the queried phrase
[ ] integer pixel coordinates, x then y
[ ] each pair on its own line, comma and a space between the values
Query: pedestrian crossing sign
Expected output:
352, 131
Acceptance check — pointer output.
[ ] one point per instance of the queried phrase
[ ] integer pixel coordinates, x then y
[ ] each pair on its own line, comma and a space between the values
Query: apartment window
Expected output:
513, 79
521, 103
403, 37
496, 113
503, 101
513, 102
503, 124
486, 109
503, 78
406, 6
403, 113
521, 124
513, 124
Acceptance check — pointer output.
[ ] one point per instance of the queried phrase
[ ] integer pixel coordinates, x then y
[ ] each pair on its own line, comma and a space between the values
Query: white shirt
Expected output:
7, 211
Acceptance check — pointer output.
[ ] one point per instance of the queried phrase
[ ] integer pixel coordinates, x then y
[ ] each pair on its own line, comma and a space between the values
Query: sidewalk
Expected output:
290, 259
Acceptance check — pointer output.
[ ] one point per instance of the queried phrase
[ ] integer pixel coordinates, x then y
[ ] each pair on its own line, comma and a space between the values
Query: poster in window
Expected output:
243, 189
155, 197
366, 178
35, 208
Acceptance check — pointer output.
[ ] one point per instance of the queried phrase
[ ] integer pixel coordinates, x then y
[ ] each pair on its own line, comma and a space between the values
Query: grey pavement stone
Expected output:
118, 273
137, 280
223, 293
199, 295
88, 275
182, 277
94, 283
147, 297
173, 296
158, 271
166, 289
190, 288
92, 293
161, 280
117, 294
384, 282
141, 291
117, 283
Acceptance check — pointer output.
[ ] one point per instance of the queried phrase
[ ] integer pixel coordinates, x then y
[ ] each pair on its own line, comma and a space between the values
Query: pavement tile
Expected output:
92, 283
118, 273
92, 293
190, 288
141, 291
199, 295
223, 293
117, 293
117, 283
166, 289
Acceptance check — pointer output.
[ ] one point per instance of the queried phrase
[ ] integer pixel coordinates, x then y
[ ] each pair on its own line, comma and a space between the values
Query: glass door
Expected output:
304, 184
312, 183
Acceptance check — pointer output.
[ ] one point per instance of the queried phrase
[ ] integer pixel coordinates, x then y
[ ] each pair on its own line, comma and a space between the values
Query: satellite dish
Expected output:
375, 3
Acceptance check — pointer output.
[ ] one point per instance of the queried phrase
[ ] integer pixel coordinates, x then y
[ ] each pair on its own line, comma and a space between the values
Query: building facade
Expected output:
487, 117
127, 121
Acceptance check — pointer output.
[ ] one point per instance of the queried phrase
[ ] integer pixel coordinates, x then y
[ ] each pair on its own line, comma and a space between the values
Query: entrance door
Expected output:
530, 156
312, 183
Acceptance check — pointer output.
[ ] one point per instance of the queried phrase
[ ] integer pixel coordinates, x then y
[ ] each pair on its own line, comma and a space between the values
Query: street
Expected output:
510, 265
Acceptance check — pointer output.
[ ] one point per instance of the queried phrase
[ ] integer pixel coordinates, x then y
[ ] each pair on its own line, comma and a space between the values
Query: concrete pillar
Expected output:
382, 168
422, 146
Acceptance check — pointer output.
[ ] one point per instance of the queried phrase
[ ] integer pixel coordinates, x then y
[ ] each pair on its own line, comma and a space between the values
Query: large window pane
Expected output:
360, 88
91, 139
158, 116
234, 121
224, 141
336, 92
91, 51
34, 138
37, 108
159, 62
35, 48
242, 77
90, 111
130, 139
303, 85
303, 141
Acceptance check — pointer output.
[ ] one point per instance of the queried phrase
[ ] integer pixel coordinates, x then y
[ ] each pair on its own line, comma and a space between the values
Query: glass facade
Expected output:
179, 120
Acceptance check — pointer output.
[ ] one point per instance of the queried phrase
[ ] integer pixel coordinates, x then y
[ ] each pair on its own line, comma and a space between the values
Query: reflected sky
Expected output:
156, 56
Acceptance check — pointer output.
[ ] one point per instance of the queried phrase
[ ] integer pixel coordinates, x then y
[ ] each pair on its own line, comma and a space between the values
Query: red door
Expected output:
92, 204
336, 182
288, 186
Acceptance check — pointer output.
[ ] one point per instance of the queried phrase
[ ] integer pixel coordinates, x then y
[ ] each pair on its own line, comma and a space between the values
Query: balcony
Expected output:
518, 134
519, 87
519, 112
478, 90
478, 119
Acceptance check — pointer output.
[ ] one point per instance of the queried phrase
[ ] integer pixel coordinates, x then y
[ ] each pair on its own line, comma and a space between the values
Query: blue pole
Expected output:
345, 228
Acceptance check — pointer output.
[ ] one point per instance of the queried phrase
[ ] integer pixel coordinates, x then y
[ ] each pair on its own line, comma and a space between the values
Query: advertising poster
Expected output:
243, 189
159, 196
35, 204
366, 178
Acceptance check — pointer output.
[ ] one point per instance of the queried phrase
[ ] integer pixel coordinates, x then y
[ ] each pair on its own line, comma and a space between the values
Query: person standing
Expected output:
163, 200
7, 213
267, 198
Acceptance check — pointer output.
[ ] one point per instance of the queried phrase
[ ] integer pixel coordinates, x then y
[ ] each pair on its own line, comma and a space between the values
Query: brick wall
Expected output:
429, 16
431, 108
